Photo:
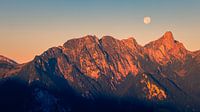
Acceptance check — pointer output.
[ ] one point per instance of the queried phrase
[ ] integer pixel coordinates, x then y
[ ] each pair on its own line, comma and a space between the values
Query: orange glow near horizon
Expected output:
25, 49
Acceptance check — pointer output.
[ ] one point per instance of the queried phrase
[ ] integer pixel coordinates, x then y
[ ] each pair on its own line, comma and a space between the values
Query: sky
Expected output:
29, 27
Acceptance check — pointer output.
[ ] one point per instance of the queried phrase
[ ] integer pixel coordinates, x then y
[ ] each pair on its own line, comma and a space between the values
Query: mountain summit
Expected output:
107, 74
167, 40
165, 49
3, 59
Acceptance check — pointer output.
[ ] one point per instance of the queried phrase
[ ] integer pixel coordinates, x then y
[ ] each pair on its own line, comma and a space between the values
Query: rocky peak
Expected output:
108, 39
131, 43
166, 41
168, 36
110, 43
80, 42
130, 40
8, 67
7, 60
165, 48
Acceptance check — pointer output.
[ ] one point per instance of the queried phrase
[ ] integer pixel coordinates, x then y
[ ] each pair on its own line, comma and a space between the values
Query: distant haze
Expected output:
27, 28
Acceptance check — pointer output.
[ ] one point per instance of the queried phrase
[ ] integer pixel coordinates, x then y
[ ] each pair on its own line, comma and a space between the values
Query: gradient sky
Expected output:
29, 27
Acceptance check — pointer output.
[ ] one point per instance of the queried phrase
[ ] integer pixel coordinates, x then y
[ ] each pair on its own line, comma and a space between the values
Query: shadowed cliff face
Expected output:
163, 71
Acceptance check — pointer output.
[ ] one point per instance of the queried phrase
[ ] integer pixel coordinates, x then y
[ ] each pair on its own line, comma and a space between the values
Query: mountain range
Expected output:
89, 74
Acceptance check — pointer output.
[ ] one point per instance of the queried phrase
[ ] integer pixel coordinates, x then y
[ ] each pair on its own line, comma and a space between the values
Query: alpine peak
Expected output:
85, 40
168, 36
162, 49
130, 40
167, 41
108, 39
5, 59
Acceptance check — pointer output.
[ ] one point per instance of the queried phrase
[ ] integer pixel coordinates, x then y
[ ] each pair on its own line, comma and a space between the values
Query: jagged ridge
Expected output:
95, 67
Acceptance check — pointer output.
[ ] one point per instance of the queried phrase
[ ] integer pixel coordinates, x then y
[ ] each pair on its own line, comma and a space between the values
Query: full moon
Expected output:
147, 20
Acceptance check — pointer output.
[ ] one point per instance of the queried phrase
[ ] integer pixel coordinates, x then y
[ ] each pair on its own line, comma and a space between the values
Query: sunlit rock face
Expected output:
152, 90
166, 49
95, 57
91, 68
122, 55
86, 54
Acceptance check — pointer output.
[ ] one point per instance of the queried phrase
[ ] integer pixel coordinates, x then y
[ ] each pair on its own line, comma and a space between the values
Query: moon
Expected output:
147, 20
